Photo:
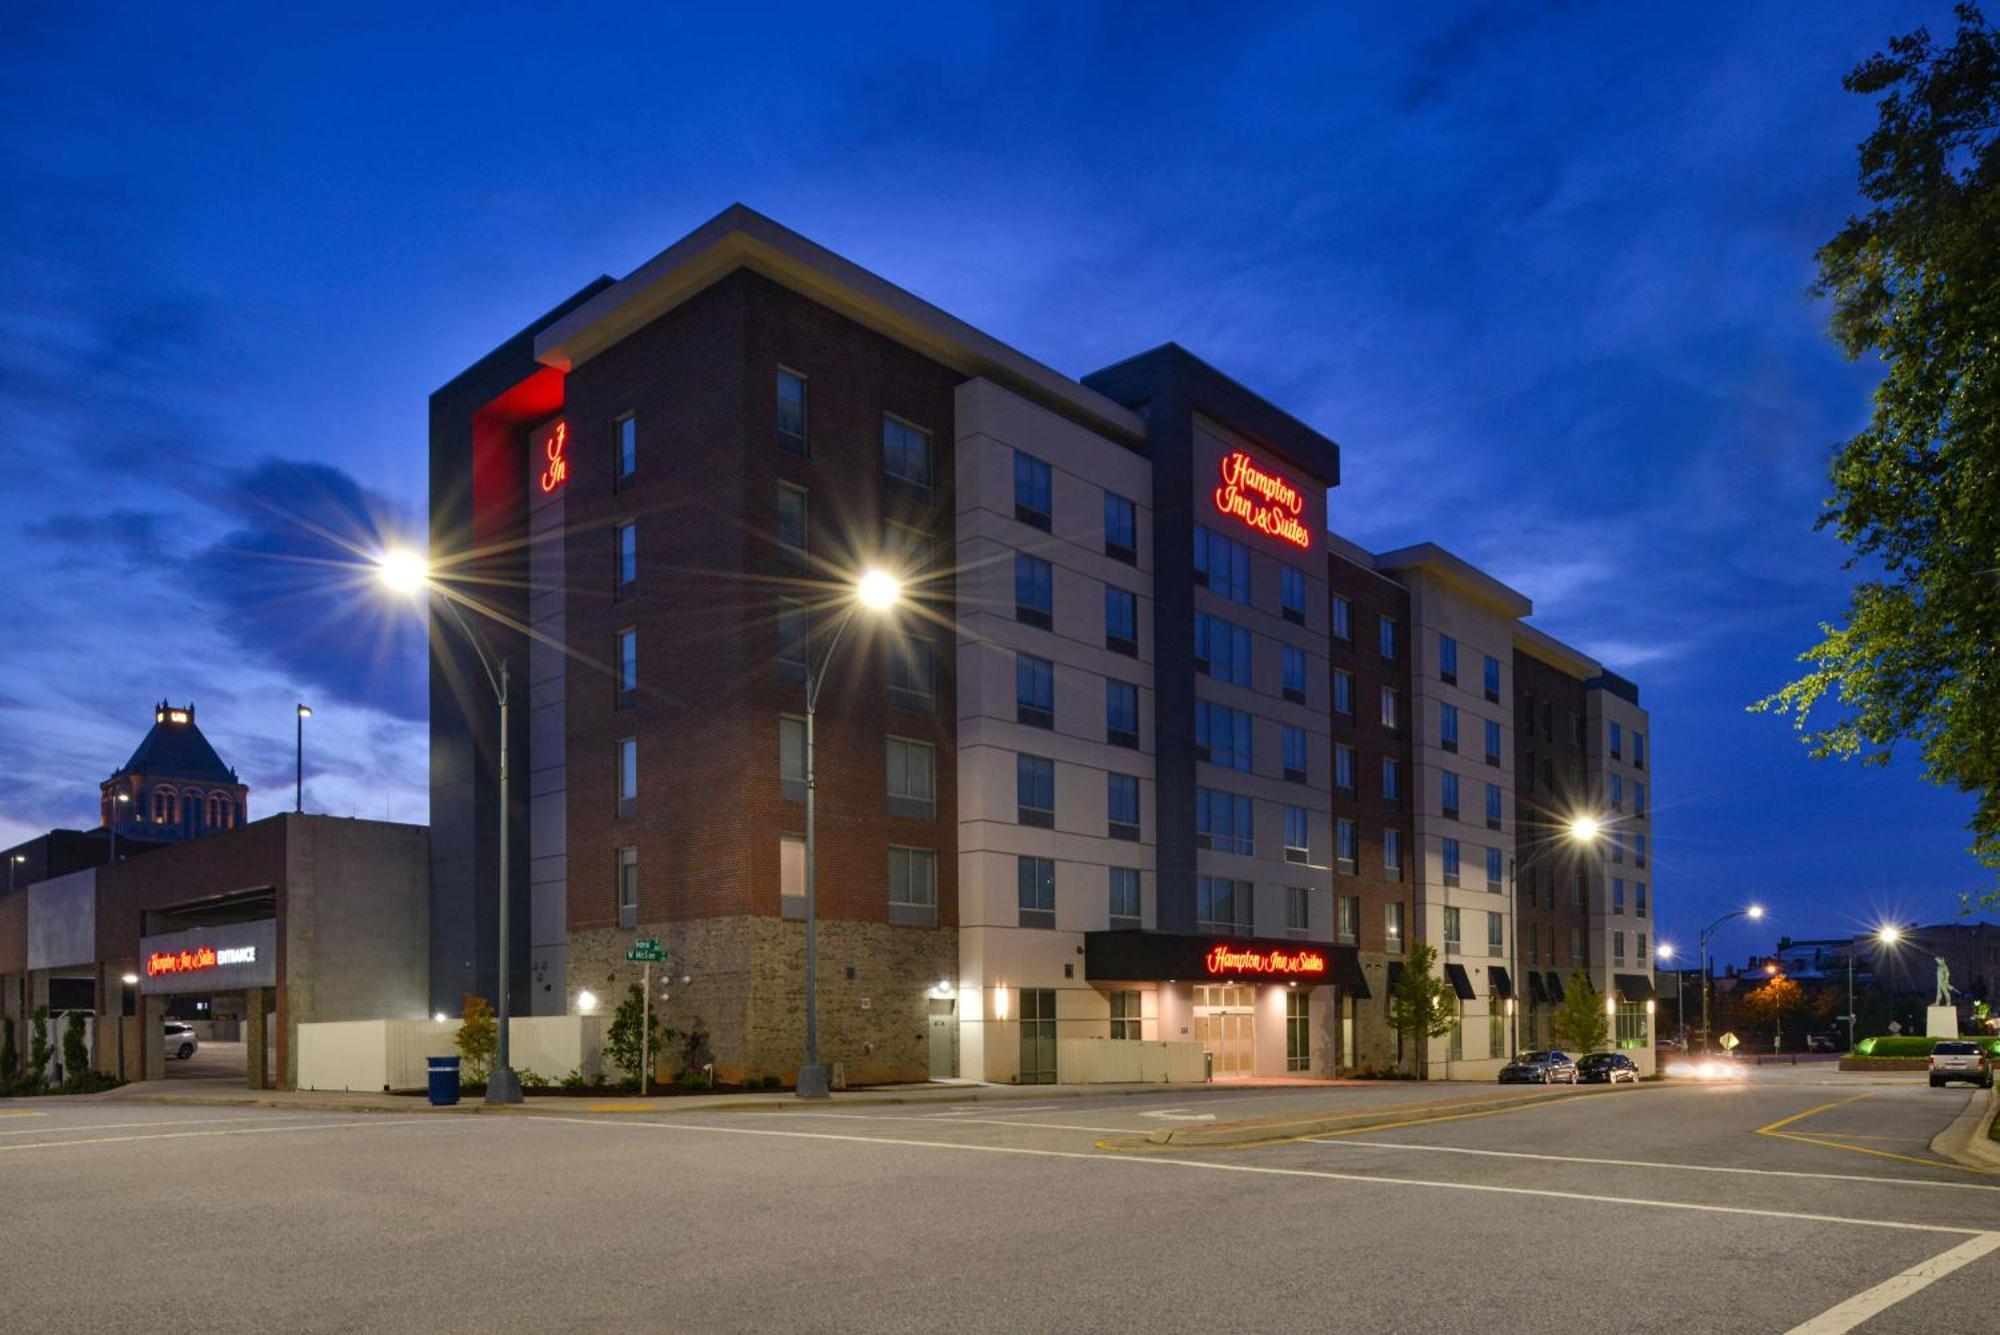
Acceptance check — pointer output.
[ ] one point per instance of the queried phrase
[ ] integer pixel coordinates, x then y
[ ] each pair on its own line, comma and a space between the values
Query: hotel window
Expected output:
1121, 713
1292, 594
627, 428
1385, 637
1347, 845
1493, 807
792, 875
1617, 842
1454, 1050
1448, 660
1618, 947
1298, 1030
1448, 794
628, 776
791, 758
1494, 872
794, 635
1617, 742
1577, 954
1496, 927
1121, 804
907, 549
1638, 750
906, 452
792, 411
1222, 821
1527, 772
1617, 793
1638, 797
628, 667
912, 779
1392, 853
1035, 790
1343, 768
1638, 850
1496, 1029
1221, 564
1125, 1023
1031, 490
913, 673
628, 558
1452, 941
1036, 891
1347, 919
1034, 597
1294, 673
912, 886
1295, 749
1617, 894
1492, 742
1392, 781
792, 523
1639, 898
1222, 735
1221, 650
1034, 691
1124, 896
1298, 834
1639, 955
1298, 910
1389, 708
1223, 905
1392, 926
1121, 620
1448, 726
1451, 862
1343, 692
1343, 619
1121, 529
1493, 679
1576, 890
628, 887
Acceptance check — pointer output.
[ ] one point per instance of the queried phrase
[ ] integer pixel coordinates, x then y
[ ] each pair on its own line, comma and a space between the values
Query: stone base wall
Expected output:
745, 989
1374, 1040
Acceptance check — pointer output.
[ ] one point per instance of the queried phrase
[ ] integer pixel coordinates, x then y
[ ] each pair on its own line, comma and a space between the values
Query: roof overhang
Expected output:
1462, 576
1540, 644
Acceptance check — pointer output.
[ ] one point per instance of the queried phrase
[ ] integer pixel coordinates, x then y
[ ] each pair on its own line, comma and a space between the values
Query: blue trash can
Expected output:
444, 1081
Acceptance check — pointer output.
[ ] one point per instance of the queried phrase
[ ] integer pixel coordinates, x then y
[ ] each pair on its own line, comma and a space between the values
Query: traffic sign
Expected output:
1729, 1042
647, 950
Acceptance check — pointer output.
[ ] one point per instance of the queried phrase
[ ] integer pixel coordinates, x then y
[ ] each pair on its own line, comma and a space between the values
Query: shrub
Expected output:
478, 1040
10, 1056
1913, 1045
574, 1080
770, 1082
532, 1079
625, 1039
39, 1053
75, 1055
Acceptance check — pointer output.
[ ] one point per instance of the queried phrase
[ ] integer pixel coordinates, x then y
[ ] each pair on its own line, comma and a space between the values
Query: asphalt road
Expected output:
1766, 1206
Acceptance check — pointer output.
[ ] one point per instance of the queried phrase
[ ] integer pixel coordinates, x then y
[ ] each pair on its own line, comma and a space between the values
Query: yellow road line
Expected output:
1880, 1154
1305, 1137
11, 1113
1773, 1127
620, 1107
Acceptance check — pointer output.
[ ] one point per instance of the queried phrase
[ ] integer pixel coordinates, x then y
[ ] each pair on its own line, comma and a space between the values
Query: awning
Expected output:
1497, 979
1555, 987
1633, 986
1359, 987
1461, 982
1537, 993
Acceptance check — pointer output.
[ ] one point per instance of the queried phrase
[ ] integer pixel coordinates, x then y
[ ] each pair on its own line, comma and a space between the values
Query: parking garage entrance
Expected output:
208, 973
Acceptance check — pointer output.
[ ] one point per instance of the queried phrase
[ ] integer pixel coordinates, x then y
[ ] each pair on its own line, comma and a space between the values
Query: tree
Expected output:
624, 1037
478, 1040
75, 1053
1917, 493
1422, 1006
1579, 1024
38, 1049
1773, 1003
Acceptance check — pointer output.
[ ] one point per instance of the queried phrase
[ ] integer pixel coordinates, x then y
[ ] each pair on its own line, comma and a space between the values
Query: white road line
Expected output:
1872, 1302
1653, 1163
238, 1131
1570, 1197
60, 1129
978, 1121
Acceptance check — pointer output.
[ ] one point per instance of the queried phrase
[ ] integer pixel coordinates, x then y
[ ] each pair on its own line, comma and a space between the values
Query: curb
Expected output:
1238, 1135
1965, 1141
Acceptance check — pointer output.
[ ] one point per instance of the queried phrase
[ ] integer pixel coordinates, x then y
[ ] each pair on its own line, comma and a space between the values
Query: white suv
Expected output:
1955, 1059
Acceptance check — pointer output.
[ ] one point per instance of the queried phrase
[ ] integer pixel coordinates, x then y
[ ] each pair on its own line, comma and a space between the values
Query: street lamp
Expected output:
130, 980
1666, 952
407, 573
111, 825
18, 859
1887, 936
877, 591
305, 712
1754, 912
1577, 829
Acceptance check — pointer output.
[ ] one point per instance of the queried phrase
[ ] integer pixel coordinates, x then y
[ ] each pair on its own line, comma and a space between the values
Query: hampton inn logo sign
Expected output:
1263, 501
1227, 961
204, 959
197, 959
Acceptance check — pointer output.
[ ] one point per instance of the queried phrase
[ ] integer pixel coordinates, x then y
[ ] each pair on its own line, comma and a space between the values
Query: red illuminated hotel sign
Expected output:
1263, 501
1227, 961
197, 959
557, 471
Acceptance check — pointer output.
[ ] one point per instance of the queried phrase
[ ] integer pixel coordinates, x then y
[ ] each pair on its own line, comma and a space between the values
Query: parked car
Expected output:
1607, 1068
181, 1041
1669, 1045
1953, 1060
1821, 1043
1539, 1068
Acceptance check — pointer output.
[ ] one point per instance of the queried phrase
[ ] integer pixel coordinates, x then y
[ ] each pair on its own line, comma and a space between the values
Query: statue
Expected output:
1944, 987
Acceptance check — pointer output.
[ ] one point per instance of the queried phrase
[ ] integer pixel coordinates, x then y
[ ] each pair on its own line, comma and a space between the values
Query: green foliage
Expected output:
1580, 1024
624, 1037
1913, 1045
478, 1040
575, 1080
39, 1051
10, 1054
532, 1080
1422, 1005
1916, 494
75, 1055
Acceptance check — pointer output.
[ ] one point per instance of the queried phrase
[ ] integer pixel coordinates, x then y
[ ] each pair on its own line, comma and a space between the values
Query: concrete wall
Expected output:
62, 921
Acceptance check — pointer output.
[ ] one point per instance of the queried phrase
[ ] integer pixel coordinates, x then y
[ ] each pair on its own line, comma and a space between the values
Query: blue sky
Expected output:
1540, 270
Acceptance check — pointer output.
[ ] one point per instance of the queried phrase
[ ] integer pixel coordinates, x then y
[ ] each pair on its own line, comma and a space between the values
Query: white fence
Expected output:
379, 1055
1101, 1061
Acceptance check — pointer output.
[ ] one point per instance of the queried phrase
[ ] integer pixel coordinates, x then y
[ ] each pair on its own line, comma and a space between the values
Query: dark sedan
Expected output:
1539, 1068
1607, 1068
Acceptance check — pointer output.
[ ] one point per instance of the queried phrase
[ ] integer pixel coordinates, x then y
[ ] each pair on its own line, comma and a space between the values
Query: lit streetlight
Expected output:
1887, 936
1754, 913
1577, 829
17, 860
877, 591
111, 825
305, 712
1666, 952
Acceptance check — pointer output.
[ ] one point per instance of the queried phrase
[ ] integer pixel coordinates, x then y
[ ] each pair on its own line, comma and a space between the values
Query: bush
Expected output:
75, 1055
478, 1040
532, 1079
1914, 1045
10, 1056
39, 1052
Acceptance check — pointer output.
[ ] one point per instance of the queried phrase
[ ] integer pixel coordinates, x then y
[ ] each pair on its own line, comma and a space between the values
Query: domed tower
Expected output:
174, 786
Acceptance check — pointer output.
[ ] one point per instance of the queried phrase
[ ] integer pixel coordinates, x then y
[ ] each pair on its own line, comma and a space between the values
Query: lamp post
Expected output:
130, 981
878, 591
407, 573
299, 804
1666, 952
1887, 936
111, 825
1754, 912
14, 861
1577, 829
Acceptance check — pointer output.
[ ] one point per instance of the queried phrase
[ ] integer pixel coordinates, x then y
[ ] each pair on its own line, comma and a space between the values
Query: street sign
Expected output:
1730, 1042
647, 950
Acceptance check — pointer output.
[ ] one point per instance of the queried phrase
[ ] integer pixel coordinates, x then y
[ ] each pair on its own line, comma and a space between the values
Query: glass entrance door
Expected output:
1224, 1025
1038, 1036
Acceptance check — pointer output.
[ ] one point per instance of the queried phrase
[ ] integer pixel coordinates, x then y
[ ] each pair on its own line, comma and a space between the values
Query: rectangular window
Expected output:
1385, 637
1221, 650
1576, 890
1347, 845
1448, 794
1121, 529
1343, 619
906, 452
628, 557
1495, 874
1454, 1049
1617, 742
1222, 821
1124, 896
1343, 768
627, 428
1639, 750
628, 666
1448, 726
1121, 713
1035, 790
1294, 675
1576, 952
1492, 742
1618, 947
1638, 796
1222, 735
792, 523
1034, 595
1493, 806
912, 886
1390, 711
1121, 620
1452, 940
1638, 850
1493, 679
1617, 894
1639, 898
1036, 891
1221, 564
794, 634
1451, 862
1392, 780
1496, 927
1343, 692
1639, 950
1617, 784
1347, 919
913, 673
792, 411
1031, 490
1298, 1030
1121, 805
1223, 905
1125, 1016
792, 874
1298, 834
1035, 691
1298, 910
1448, 660
1296, 751
1392, 853
1617, 842
628, 887
1292, 594
1496, 1030
628, 776
792, 758
1392, 926
912, 778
